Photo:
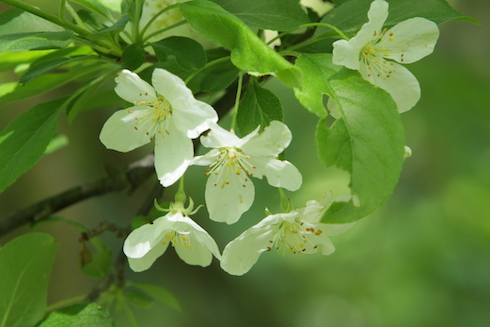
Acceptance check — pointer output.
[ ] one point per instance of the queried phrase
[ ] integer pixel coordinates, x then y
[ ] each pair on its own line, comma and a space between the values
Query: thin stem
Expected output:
62, 11
64, 303
209, 64
136, 22
182, 22
43, 14
75, 16
237, 100
158, 14
339, 32
127, 310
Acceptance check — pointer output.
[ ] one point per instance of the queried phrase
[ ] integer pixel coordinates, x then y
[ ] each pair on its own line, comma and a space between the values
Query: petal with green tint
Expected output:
410, 40
400, 84
227, 202
173, 154
132, 88
127, 129
242, 253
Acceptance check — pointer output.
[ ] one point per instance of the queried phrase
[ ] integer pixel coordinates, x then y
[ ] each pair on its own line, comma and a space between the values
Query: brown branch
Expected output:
131, 177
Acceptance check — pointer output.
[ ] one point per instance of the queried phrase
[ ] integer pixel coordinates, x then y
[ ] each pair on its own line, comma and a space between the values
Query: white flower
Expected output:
298, 231
229, 191
167, 113
372, 50
192, 243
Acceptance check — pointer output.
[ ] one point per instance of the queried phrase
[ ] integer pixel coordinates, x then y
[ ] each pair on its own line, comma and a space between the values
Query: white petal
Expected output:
243, 252
193, 117
279, 173
272, 141
127, 129
401, 85
218, 137
316, 242
131, 88
170, 86
312, 213
207, 159
346, 53
202, 244
173, 154
141, 240
227, 203
335, 229
145, 262
410, 40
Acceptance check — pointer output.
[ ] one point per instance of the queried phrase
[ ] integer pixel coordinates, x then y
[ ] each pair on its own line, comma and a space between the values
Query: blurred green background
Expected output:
423, 259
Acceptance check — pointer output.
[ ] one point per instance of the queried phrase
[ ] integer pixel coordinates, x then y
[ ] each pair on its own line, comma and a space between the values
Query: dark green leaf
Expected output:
115, 28
19, 21
13, 91
53, 60
188, 53
34, 41
23, 142
159, 294
25, 266
276, 15
367, 141
79, 315
133, 56
248, 51
258, 107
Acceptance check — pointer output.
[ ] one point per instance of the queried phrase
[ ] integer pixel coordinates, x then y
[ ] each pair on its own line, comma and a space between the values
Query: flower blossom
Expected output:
229, 190
167, 113
373, 50
298, 231
191, 242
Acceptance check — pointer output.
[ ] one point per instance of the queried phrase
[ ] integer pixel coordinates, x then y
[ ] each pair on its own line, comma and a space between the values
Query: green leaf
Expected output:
10, 60
13, 91
35, 41
367, 141
133, 56
258, 107
351, 15
188, 53
95, 6
79, 315
53, 60
276, 15
114, 29
57, 142
138, 299
159, 294
25, 266
95, 264
23, 142
18, 21
248, 51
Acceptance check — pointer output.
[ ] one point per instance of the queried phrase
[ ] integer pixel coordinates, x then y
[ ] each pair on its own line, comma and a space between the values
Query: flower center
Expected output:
177, 238
373, 56
231, 163
160, 116
293, 237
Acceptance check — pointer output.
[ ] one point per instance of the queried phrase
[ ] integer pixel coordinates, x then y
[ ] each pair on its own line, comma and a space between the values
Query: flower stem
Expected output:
158, 14
209, 64
237, 101
64, 303
182, 22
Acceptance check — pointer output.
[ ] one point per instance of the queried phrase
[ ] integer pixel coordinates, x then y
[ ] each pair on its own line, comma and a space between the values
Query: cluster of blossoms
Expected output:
167, 113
